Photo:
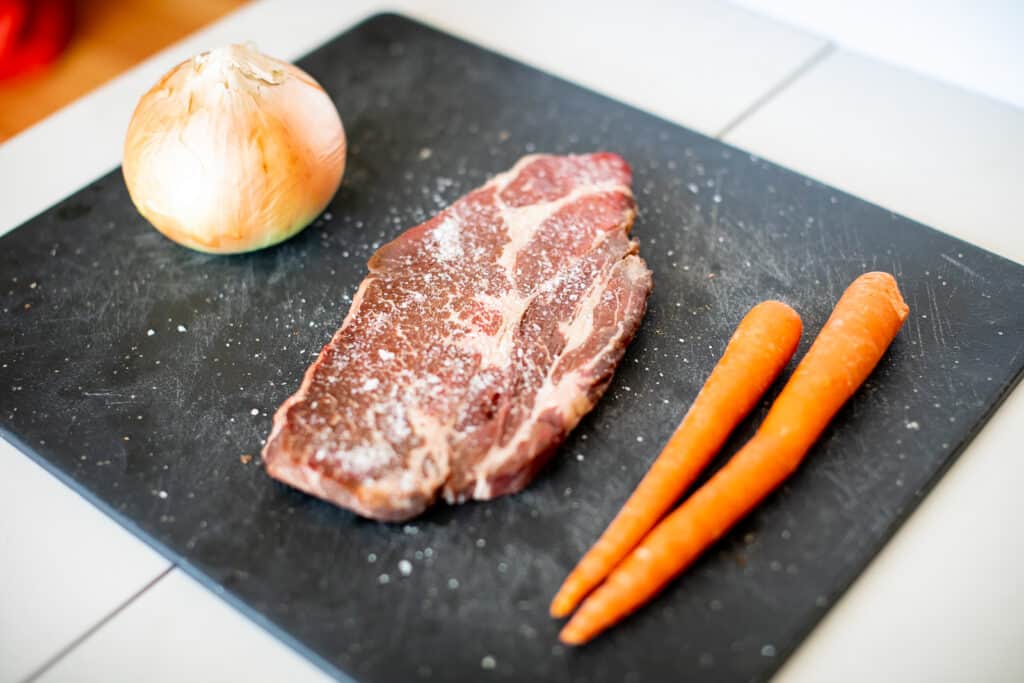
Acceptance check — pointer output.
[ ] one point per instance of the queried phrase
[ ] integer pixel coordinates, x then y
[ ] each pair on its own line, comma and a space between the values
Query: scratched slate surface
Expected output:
139, 372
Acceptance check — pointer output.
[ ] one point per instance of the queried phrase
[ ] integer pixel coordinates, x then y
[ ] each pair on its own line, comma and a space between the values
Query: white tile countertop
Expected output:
81, 599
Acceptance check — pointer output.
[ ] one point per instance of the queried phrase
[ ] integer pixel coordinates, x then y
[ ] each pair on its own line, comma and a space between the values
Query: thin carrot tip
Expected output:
560, 608
571, 637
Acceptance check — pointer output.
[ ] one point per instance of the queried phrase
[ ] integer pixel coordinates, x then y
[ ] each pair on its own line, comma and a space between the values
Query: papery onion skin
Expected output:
233, 151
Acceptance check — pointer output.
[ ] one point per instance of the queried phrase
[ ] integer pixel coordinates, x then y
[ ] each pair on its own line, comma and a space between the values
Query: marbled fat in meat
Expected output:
475, 344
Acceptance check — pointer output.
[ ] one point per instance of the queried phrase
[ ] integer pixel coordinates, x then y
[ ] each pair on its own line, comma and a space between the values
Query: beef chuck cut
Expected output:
475, 344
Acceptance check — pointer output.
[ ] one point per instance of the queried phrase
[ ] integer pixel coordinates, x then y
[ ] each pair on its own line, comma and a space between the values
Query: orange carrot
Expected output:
851, 343
761, 346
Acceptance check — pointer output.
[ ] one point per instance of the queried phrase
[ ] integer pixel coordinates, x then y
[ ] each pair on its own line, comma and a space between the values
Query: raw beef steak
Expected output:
476, 342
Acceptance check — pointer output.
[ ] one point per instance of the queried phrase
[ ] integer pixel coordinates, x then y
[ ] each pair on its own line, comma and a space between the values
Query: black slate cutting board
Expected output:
139, 372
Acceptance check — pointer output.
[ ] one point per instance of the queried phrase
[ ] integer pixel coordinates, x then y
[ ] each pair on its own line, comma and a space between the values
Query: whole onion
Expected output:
233, 151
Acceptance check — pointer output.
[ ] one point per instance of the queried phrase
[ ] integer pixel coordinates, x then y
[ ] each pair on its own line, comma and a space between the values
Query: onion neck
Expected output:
238, 66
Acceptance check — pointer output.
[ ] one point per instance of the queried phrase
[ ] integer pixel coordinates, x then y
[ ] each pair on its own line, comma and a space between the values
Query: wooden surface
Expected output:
109, 37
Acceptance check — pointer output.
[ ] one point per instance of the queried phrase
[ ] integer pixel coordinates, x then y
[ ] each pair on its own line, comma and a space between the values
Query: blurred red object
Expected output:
32, 33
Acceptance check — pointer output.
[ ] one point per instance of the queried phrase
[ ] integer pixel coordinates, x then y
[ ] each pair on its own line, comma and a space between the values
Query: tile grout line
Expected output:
812, 61
67, 649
